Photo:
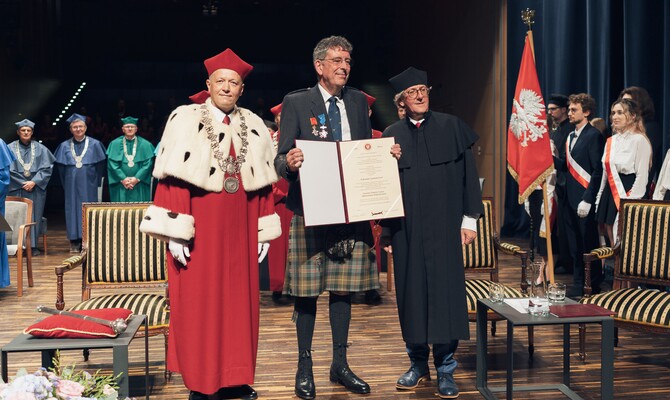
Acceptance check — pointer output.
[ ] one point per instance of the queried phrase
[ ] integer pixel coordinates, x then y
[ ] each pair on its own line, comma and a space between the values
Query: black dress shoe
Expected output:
446, 387
244, 392
372, 297
344, 376
304, 378
412, 378
197, 396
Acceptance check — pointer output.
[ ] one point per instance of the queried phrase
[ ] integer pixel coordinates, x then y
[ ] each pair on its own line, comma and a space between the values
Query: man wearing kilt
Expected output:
329, 111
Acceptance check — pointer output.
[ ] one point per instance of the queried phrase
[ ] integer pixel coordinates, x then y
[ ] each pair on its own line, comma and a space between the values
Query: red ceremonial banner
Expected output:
529, 158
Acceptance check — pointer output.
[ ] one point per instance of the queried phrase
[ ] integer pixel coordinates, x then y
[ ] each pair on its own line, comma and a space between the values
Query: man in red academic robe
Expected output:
214, 205
278, 251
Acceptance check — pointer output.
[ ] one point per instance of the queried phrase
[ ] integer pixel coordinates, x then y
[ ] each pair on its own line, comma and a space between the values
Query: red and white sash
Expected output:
575, 169
616, 186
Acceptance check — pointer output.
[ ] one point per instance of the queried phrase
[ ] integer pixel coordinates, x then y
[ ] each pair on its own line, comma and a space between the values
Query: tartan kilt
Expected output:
309, 272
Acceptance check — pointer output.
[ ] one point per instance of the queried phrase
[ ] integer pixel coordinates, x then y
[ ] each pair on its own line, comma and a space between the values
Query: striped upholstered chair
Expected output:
125, 267
642, 256
480, 259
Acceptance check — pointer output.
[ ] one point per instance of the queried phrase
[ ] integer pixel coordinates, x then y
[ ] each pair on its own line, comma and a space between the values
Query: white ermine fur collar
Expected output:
186, 152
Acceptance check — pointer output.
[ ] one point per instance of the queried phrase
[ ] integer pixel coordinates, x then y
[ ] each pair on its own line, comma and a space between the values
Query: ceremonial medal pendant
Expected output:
26, 173
79, 164
131, 163
231, 184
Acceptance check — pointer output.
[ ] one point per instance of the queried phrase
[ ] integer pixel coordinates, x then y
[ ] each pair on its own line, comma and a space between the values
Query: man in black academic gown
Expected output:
442, 200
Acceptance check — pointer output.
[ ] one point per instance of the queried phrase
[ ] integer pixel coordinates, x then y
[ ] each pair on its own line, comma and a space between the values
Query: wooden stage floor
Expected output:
642, 361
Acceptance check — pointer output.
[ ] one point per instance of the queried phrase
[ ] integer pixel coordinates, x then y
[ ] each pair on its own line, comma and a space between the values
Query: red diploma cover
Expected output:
579, 310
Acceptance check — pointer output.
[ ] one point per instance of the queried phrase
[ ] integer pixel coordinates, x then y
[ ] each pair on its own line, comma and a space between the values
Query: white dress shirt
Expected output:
346, 129
663, 183
631, 154
577, 132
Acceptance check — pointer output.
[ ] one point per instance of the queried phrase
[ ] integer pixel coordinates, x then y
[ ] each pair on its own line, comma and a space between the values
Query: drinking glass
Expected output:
538, 303
556, 292
496, 292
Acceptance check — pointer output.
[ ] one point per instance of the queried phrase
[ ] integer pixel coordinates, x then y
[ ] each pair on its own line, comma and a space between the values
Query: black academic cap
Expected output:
409, 77
558, 99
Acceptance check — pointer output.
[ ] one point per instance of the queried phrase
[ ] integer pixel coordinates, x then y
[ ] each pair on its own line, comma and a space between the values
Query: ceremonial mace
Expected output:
118, 325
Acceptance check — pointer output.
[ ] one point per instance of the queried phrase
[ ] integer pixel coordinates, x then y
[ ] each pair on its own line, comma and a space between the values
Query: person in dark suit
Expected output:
582, 165
557, 108
329, 111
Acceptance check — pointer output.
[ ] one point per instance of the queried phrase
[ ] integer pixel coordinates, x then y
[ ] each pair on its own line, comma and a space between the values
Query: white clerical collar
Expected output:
326, 96
415, 121
217, 113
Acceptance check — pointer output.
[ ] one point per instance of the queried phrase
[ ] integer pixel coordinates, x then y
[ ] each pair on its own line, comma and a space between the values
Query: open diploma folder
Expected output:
350, 181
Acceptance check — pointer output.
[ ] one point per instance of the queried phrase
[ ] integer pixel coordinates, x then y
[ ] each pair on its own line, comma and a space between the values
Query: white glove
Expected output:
583, 209
179, 251
526, 206
263, 251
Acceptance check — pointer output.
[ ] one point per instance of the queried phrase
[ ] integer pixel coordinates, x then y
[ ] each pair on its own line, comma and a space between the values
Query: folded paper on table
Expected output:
521, 305
579, 310
344, 182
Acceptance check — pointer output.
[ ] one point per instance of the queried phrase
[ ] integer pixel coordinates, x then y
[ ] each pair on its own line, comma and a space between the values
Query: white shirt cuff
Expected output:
469, 223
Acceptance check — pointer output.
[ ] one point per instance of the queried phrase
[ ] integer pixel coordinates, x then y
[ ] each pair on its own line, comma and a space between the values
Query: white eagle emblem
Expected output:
525, 122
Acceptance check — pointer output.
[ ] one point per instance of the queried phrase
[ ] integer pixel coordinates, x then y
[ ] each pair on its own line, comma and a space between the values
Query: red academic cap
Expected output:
199, 97
276, 109
227, 59
371, 100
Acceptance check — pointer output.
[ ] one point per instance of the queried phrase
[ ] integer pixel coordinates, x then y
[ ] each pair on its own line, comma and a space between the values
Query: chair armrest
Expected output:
67, 265
507, 248
600, 253
24, 232
514, 250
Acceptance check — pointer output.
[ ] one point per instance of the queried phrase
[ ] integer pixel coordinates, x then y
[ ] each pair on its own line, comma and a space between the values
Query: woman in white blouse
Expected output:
626, 163
662, 191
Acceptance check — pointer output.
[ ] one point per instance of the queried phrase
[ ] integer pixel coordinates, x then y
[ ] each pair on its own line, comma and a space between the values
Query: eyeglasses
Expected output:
552, 109
413, 93
339, 61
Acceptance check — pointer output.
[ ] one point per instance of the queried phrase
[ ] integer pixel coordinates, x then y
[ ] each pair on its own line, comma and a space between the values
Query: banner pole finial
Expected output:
527, 16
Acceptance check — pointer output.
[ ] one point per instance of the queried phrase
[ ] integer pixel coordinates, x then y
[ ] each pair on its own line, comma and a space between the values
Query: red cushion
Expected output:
63, 326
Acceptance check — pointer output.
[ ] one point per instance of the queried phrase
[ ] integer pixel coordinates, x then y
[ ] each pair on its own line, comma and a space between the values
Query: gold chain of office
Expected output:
130, 157
26, 165
229, 165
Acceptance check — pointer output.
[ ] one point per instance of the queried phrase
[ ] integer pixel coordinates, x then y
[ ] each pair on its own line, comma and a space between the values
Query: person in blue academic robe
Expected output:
30, 173
81, 163
6, 159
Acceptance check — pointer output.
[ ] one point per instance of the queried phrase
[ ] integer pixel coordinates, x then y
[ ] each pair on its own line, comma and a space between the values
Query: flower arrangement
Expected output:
60, 383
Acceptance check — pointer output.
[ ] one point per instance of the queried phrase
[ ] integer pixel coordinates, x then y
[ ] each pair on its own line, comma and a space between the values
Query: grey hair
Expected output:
398, 96
332, 42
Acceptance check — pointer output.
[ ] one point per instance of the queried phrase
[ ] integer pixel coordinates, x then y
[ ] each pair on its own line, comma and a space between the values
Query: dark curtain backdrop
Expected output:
593, 46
